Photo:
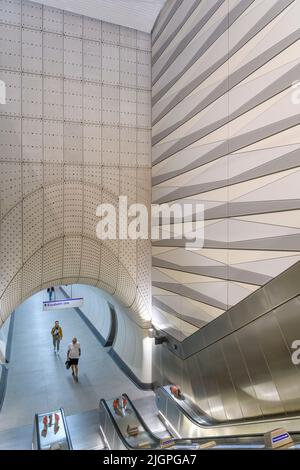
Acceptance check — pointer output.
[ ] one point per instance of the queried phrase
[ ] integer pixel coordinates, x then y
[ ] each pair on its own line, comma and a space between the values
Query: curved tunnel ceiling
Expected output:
49, 238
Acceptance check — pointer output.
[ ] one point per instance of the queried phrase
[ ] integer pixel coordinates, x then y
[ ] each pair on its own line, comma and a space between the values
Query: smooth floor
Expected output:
38, 381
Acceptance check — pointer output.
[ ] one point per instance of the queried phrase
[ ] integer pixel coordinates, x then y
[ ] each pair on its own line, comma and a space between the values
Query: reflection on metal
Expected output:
168, 425
114, 429
239, 366
183, 418
106, 443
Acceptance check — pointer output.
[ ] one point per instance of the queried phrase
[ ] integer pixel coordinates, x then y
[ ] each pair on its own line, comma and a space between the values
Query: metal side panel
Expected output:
238, 370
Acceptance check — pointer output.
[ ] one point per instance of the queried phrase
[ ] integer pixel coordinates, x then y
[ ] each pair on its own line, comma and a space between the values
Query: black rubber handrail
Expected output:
216, 424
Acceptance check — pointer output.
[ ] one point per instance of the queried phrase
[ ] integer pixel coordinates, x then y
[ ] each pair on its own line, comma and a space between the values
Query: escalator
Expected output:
51, 431
182, 417
114, 427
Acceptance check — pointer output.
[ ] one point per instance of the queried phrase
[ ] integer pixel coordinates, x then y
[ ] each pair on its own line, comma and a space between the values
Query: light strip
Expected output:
104, 438
168, 424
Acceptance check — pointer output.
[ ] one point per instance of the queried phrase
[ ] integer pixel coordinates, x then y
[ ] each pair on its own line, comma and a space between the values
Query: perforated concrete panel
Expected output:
10, 11
52, 256
10, 184
73, 132
53, 20
92, 29
92, 57
32, 274
10, 47
12, 107
10, 141
53, 142
32, 51
11, 244
53, 212
53, 54
91, 254
72, 258
92, 195
32, 95
32, 223
53, 98
92, 102
92, 135
32, 140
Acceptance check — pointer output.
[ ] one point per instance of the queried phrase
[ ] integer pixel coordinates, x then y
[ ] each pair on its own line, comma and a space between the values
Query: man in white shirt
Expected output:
73, 355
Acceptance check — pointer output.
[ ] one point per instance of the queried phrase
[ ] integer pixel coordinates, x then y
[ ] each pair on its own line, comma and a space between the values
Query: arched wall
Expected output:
75, 132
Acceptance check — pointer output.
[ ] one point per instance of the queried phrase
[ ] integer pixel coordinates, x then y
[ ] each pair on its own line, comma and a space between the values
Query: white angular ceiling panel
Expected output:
136, 14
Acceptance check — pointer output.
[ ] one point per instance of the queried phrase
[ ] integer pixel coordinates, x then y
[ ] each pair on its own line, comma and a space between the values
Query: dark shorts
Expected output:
73, 362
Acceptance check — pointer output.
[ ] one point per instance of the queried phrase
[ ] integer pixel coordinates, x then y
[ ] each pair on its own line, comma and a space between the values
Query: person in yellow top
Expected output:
57, 335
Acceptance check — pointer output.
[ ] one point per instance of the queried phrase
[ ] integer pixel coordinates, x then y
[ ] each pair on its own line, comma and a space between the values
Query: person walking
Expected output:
73, 355
57, 335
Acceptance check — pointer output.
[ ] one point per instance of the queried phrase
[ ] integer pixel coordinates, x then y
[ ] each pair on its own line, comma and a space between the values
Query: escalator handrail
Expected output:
227, 423
204, 416
37, 430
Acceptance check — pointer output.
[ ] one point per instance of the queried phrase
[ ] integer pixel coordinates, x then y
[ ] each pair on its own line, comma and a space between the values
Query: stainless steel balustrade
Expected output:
113, 427
239, 366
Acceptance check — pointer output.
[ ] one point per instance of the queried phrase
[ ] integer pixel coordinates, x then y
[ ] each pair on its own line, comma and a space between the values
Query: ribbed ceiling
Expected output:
137, 14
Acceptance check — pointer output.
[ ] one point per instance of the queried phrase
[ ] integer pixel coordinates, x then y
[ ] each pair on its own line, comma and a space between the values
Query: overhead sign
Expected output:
63, 303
